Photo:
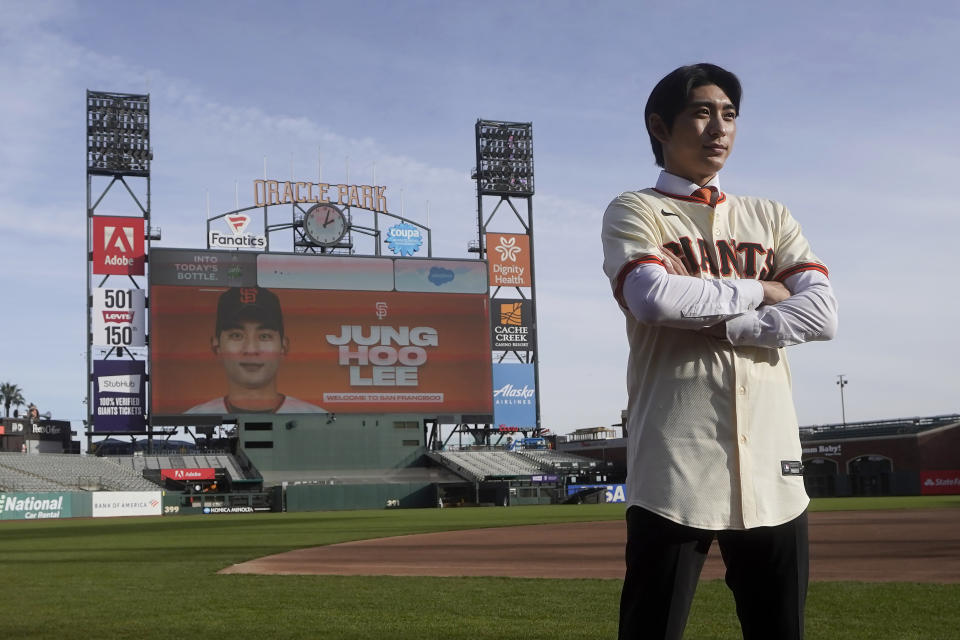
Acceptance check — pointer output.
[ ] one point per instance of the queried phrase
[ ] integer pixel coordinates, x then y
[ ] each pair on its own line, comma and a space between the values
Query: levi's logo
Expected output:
118, 316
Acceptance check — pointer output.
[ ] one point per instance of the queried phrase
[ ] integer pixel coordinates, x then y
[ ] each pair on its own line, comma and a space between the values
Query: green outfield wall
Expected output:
360, 496
43, 505
329, 441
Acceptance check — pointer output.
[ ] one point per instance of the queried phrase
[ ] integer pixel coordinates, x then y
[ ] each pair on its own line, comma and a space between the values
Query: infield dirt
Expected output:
915, 545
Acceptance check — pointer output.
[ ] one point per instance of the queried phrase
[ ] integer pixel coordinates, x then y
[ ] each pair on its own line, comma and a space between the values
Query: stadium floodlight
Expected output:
504, 158
118, 134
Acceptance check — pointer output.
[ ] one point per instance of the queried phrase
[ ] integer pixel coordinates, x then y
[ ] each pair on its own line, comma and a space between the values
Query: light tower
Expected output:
842, 382
505, 180
118, 153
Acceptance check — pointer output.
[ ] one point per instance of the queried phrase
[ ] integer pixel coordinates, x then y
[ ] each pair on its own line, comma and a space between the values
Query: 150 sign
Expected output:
118, 317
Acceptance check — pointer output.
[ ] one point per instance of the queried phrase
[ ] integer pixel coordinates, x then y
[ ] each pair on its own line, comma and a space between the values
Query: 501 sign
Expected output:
118, 317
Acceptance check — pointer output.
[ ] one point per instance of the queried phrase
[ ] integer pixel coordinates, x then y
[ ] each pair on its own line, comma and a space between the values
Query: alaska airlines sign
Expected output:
270, 192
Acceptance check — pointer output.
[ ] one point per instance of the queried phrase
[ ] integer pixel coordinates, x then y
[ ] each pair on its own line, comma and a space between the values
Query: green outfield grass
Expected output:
156, 578
894, 502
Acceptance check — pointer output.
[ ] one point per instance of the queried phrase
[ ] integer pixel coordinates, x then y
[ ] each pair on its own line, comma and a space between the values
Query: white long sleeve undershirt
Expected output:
658, 298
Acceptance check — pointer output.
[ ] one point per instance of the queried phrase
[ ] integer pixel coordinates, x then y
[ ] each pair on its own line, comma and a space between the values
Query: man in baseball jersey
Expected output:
713, 286
250, 343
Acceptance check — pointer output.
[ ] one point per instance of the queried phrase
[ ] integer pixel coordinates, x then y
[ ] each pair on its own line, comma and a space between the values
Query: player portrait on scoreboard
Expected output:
250, 344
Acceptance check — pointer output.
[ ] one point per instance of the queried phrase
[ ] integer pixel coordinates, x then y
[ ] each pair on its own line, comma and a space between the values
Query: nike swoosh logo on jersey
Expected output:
667, 213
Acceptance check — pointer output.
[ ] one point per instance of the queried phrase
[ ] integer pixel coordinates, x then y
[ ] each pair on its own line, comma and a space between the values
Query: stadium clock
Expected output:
325, 224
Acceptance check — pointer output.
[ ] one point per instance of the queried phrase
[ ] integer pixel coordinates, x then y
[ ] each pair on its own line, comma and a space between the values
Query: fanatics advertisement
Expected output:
235, 236
514, 396
119, 318
118, 246
511, 323
509, 257
229, 350
119, 395
109, 504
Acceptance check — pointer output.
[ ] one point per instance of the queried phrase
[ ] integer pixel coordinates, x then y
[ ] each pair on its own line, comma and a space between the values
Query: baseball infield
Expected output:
917, 545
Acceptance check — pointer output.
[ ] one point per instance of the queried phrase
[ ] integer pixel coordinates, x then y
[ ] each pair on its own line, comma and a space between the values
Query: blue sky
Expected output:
847, 117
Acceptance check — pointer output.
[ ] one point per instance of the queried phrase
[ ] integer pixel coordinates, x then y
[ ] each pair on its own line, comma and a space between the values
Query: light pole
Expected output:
842, 382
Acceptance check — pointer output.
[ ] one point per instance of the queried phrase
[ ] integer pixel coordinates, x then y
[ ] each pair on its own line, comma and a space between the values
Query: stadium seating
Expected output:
550, 460
66, 472
200, 461
488, 464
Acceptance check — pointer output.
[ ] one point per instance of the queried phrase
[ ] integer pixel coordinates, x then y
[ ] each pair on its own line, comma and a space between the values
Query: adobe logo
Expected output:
118, 246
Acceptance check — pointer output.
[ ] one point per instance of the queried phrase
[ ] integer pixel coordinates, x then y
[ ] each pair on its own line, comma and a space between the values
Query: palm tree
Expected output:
11, 394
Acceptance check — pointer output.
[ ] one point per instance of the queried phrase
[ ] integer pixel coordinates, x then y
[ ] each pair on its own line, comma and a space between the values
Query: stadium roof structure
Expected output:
877, 428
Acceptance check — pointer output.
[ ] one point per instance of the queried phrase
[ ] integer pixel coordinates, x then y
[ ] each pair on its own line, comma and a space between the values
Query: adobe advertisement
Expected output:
228, 350
119, 395
514, 396
509, 258
511, 324
119, 318
185, 475
118, 246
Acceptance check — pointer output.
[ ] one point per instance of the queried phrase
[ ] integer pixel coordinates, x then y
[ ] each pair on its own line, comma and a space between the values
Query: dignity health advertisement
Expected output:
249, 349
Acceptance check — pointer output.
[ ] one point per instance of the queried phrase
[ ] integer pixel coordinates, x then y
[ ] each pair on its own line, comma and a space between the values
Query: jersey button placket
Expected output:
717, 219
747, 502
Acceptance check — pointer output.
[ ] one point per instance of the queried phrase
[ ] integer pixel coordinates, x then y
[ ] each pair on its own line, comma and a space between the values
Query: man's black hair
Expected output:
672, 94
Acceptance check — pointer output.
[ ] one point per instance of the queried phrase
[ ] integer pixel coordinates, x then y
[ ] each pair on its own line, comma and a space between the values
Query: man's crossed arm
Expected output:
744, 311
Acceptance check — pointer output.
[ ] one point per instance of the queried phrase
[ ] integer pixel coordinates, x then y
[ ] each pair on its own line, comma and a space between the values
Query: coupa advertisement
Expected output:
247, 349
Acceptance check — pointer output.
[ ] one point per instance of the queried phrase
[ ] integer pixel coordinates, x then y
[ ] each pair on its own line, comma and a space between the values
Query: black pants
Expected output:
767, 570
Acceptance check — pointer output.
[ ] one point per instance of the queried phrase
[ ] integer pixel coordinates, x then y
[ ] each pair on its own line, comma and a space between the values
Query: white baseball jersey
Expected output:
713, 439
